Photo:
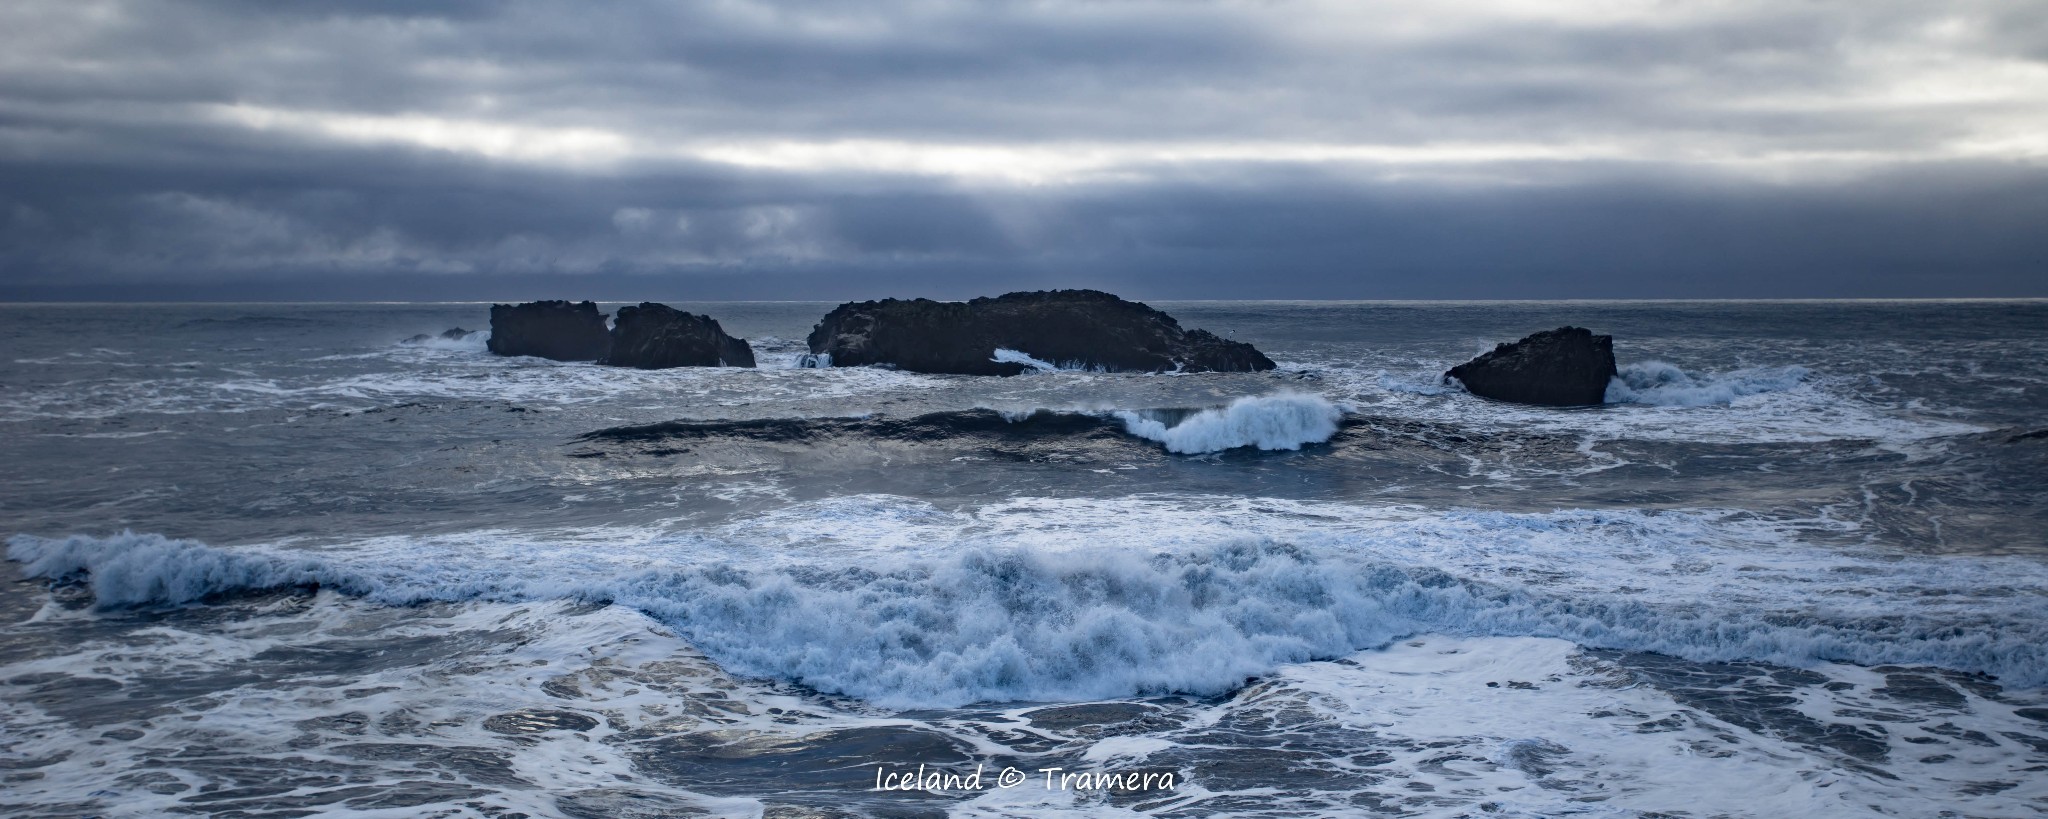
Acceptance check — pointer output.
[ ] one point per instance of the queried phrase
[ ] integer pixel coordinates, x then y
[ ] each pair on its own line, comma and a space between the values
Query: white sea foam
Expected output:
271, 727
1393, 383
130, 569
1527, 727
1050, 599
434, 373
1661, 384
1580, 729
1270, 422
1656, 401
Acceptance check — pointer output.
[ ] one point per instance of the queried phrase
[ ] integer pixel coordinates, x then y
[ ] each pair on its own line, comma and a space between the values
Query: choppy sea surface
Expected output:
274, 561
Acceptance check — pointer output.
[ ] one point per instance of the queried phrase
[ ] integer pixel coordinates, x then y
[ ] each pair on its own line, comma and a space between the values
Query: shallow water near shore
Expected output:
271, 560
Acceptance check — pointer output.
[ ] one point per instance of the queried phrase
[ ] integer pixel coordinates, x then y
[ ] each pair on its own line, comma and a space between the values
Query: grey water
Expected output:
278, 560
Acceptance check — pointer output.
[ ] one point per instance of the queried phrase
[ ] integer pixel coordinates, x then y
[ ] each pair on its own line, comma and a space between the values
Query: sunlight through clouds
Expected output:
1343, 147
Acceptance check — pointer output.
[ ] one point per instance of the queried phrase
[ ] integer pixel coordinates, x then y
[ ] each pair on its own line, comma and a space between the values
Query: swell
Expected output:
984, 623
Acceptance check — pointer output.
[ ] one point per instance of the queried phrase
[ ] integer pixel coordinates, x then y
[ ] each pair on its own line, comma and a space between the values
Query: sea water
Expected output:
277, 560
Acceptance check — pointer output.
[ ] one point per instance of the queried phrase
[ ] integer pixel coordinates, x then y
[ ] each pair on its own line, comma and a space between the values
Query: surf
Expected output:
938, 616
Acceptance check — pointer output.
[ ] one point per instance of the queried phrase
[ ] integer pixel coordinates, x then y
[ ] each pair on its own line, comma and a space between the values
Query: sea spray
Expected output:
1036, 365
1269, 422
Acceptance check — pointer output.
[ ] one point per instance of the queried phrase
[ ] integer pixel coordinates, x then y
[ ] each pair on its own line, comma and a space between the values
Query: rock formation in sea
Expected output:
1086, 329
550, 329
656, 336
1565, 367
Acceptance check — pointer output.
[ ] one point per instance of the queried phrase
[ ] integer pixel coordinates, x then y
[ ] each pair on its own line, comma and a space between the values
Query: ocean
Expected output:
272, 560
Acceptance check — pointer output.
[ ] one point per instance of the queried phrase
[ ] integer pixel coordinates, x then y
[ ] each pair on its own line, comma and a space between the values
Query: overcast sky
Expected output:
393, 149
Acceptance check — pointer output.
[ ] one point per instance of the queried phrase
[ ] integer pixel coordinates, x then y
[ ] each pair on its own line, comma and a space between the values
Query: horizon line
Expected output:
1663, 300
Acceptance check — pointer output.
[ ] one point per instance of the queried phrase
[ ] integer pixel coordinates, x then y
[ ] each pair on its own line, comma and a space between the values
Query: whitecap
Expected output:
1270, 422
1052, 599
1661, 384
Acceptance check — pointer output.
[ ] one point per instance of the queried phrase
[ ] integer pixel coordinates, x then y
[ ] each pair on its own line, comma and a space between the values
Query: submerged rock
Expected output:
657, 336
556, 330
1565, 367
457, 333
450, 334
1085, 329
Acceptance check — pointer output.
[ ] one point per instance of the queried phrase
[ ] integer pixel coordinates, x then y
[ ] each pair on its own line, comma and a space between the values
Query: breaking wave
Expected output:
136, 570
1660, 384
1269, 422
986, 623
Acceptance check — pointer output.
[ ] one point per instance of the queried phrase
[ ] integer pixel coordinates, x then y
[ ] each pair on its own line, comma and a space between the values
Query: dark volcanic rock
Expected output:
1565, 367
1083, 328
550, 329
657, 336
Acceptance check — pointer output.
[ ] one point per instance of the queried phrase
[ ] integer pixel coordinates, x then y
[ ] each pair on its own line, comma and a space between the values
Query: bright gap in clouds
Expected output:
600, 149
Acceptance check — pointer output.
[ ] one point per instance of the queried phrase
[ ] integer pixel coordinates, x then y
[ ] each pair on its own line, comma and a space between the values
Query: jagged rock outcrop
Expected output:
649, 337
1565, 367
657, 336
557, 330
1082, 328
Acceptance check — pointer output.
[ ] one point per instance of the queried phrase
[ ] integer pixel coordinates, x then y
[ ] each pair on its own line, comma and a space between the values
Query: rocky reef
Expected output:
1083, 329
656, 337
1565, 367
555, 330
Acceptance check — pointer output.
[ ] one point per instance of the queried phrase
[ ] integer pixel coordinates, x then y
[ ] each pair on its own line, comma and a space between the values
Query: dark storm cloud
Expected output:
753, 149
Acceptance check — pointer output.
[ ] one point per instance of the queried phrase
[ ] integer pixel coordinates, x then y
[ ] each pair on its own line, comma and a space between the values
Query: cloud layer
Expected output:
731, 149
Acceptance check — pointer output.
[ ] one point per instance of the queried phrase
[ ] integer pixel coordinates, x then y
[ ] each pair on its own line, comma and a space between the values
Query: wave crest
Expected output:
984, 623
135, 570
1269, 422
